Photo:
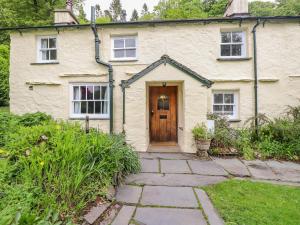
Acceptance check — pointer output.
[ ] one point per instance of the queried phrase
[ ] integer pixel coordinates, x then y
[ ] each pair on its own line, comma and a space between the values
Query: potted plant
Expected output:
202, 138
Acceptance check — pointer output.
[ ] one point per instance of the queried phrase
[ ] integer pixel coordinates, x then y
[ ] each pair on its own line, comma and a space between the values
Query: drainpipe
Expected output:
255, 76
107, 65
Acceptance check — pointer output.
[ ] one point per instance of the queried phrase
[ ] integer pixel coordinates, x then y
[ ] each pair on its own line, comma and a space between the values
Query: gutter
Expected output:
255, 76
154, 22
107, 65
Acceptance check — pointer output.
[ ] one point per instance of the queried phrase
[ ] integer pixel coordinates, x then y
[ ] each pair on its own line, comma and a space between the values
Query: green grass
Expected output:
4, 109
246, 202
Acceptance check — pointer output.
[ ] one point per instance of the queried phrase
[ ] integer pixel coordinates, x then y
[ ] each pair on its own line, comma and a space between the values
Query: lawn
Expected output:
246, 202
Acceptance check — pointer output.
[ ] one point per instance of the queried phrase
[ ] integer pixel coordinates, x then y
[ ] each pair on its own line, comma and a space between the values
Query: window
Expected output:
233, 44
90, 99
124, 48
225, 103
163, 103
47, 49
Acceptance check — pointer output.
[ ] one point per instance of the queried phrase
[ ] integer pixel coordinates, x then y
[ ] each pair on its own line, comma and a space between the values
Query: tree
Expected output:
258, 8
135, 15
145, 10
288, 8
4, 73
98, 11
82, 15
123, 17
115, 10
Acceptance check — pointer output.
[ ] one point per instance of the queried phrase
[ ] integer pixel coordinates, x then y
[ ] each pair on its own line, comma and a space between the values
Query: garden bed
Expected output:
53, 170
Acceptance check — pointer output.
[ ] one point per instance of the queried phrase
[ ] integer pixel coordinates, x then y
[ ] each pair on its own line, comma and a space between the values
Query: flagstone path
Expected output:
168, 189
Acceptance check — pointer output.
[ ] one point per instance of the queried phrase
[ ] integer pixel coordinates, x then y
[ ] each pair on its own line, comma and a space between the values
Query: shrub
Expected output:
58, 167
200, 132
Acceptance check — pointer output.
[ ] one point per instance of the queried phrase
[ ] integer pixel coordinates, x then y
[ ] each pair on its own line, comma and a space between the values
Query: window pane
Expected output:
119, 53
97, 92
45, 55
52, 43
236, 50
97, 107
44, 43
83, 107
104, 93
218, 108
53, 55
237, 37
90, 92
76, 107
229, 98
131, 53
218, 98
228, 109
91, 107
119, 43
130, 43
225, 50
75, 93
83, 92
104, 107
225, 37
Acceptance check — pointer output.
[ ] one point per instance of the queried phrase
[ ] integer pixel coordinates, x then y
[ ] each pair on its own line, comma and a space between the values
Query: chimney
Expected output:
65, 16
237, 8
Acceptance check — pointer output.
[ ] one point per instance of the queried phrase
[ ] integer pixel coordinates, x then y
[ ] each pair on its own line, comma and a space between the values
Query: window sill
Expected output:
123, 60
234, 121
90, 118
44, 63
234, 59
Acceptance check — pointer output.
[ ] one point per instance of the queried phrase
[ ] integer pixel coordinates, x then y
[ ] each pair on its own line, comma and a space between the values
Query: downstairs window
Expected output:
225, 103
90, 99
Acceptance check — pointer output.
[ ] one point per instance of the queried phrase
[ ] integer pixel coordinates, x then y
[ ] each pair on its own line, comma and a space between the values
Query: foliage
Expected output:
246, 202
4, 73
115, 10
134, 16
200, 132
259, 8
57, 168
82, 16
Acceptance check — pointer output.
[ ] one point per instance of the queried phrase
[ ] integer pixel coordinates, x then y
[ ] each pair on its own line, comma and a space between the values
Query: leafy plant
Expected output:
200, 132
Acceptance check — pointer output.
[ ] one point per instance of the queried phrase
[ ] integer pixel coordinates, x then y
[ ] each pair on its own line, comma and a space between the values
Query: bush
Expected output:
200, 132
4, 73
57, 167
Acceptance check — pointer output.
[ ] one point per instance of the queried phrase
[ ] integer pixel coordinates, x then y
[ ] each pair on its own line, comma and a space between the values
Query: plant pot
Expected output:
202, 147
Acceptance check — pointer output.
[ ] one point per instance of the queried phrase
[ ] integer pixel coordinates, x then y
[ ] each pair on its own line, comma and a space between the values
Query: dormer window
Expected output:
47, 49
124, 48
233, 44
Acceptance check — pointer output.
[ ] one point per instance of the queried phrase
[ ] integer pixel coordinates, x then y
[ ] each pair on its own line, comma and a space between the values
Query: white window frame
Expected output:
235, 104
123, 38
91, 116
39, 52
243, 43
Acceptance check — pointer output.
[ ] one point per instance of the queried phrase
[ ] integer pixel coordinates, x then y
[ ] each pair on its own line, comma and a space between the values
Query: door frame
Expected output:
149, 111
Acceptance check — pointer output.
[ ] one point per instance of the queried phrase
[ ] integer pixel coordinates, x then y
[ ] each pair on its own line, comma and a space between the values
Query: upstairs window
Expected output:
47, 49
225, 103
233, 44
90, 99
124, 48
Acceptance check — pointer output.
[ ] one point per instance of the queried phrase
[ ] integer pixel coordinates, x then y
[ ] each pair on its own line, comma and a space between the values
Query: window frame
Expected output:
91, 116
39, 49
243, 43
113, 38
235, 93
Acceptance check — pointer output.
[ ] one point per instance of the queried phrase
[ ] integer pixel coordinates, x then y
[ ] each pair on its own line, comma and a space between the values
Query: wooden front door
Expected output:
163, 114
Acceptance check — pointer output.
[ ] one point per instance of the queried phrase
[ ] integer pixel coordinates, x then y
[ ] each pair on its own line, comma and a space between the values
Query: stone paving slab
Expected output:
285, 171
260, 170
129, 194
149, 165
208, 208
169, 196
206, 168
124, 216
182, 156
176, 180
95, 213
174, 166
169, 216
234, 166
